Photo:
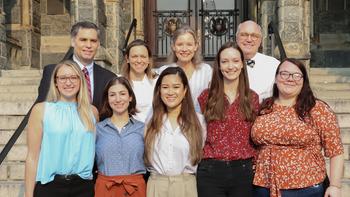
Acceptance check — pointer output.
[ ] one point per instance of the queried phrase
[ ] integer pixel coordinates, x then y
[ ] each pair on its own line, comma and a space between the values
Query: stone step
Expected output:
332, 94
329, 78
10, 122
15, 108
344, 120
346, 151
345, 187
5, 135
346, 169
329, 71
12, 170
20, 81
18, 96
18, 88
339, 105
11, 188
20, 73
330, 86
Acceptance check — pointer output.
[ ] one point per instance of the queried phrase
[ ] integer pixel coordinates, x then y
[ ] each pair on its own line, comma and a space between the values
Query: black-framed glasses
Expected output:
64, 78
295, 76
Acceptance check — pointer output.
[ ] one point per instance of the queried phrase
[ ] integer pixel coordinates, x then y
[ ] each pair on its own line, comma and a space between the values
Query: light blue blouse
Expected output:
66, 147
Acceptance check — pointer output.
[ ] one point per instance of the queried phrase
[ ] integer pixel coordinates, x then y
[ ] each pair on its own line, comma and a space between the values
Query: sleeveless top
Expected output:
66, 146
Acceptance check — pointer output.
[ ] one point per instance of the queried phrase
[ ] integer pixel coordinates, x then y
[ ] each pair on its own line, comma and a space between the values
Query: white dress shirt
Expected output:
144, 96
262, 75
171, 154
200, 80
90, 69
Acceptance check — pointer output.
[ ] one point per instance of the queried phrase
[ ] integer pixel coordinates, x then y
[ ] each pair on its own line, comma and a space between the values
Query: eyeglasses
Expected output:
253, 36
64, 78
295, 76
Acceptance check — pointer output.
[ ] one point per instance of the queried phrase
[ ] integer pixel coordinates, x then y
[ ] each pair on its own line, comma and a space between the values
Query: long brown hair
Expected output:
305, 100
187, 119
126, 66
216, 105
106, 110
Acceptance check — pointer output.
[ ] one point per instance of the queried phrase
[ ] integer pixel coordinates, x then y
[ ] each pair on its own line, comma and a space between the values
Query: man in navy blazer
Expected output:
85, 39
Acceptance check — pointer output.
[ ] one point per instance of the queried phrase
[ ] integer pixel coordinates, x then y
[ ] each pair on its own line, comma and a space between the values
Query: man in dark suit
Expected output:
85, 39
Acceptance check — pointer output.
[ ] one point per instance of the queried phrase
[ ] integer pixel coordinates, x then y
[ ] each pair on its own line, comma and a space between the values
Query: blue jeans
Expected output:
312, 191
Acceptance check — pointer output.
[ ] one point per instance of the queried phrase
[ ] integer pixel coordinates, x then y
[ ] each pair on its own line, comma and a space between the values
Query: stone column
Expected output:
267, 12
294, 27
26, 29
138, 14
3, 49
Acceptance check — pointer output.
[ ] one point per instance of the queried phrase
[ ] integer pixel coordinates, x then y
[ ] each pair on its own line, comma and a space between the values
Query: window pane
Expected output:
172, 4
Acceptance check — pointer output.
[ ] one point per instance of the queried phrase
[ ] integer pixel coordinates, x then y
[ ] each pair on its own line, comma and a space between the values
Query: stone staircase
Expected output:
333, 86
18, 90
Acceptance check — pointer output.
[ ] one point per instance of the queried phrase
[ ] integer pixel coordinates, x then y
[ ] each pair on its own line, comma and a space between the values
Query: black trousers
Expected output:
59, 187
225, 178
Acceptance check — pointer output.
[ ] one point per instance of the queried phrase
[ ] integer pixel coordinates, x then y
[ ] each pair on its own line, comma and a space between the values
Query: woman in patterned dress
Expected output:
290, 132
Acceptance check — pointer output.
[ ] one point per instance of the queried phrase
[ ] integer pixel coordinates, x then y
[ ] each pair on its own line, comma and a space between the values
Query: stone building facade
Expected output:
34, 33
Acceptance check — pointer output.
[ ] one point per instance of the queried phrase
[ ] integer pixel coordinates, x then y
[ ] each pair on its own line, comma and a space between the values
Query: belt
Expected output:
67, 177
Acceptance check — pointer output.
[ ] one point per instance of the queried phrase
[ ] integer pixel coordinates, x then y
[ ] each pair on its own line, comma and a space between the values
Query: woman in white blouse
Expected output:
174, 138
186, 54
137, 68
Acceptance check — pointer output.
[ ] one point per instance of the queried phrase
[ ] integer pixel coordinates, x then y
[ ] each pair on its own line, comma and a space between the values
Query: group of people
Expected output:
248, 125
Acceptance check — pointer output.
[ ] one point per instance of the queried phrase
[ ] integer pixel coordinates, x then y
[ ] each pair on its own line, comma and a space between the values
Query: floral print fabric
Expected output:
290, 150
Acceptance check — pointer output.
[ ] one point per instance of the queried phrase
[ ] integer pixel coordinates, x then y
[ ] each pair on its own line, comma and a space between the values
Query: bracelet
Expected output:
339, 187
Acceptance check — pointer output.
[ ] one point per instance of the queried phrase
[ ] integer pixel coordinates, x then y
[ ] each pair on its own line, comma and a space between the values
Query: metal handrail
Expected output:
132, 26
272, 29
24, 122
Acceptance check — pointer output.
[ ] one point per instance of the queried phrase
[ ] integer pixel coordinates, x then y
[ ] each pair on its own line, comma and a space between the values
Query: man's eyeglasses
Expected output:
295, 76
253, 36
64, 78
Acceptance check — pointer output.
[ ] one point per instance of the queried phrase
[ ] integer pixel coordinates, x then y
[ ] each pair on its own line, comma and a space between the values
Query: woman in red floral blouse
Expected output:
229, 107
291, 130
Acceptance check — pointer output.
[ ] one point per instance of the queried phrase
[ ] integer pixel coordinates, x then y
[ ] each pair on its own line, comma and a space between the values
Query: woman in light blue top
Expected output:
61, 138
119, 144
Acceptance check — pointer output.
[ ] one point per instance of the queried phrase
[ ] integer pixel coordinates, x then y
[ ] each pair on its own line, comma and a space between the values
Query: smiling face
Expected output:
119, 99
85, 45
138, 59
249, 38
67, 83
289, 86
231, 64
185, 47
172, 91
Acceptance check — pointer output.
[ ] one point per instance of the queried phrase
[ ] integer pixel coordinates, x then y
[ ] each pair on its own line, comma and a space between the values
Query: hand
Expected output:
333, 191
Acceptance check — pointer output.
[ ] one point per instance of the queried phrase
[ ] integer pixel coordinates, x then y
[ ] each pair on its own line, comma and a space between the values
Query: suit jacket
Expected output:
101, 77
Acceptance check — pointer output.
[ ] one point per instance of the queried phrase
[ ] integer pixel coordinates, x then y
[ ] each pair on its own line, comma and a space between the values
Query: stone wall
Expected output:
3, 49
55, 39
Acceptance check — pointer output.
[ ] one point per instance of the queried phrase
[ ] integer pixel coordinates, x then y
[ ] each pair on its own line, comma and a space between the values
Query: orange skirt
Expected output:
116, 186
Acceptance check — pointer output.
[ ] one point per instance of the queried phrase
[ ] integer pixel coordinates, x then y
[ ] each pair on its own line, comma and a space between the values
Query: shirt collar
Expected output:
108, 122
89, 67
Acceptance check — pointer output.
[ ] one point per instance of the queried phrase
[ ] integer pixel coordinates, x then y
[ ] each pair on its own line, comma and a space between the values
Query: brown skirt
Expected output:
116, 186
